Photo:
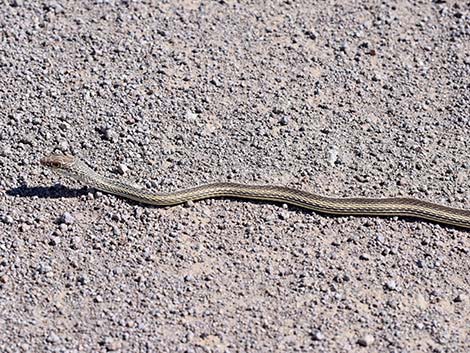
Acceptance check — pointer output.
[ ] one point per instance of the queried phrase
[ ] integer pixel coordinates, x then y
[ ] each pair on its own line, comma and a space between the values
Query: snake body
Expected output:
395, 206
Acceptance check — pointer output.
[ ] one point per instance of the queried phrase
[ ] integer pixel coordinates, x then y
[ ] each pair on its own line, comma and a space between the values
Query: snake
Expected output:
73, 167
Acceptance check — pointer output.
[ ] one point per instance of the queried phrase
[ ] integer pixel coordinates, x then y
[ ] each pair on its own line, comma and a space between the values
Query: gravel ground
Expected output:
362, 99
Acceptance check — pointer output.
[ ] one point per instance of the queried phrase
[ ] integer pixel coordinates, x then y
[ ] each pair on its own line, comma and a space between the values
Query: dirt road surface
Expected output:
341, 98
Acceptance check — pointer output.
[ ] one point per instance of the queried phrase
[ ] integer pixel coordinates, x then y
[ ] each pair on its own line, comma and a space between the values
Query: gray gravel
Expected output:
339, 98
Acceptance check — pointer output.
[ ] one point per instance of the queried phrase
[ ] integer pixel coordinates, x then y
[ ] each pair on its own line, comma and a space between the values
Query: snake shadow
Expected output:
59, 191
47, 192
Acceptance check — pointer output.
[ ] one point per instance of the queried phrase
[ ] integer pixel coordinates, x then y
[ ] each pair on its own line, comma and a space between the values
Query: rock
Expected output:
366, 341
317, 336
461, 298
311, 34
53, 338
16, 3
122, 169
66, 218
110, 135
284, 121
63, 146
390, 285
7, 219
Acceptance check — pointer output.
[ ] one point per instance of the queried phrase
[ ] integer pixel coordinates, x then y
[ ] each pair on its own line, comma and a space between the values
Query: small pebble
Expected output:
344, 47
53, 338
189, 204
461, 298
110, 135
284, 121
376, 77
75, 242
188, 278
116, 230
122, 169
66, 218
391, 285
63, 146
44, 268
366, 341
311, 34
216, 82
7, 219
190, 116
5, 151
332, 155
16, 3
283, 215
116, 217
82, 279
364, 257
53, 241
318, 336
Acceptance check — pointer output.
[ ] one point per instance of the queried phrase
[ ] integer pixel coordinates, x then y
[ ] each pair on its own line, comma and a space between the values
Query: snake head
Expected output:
57, 162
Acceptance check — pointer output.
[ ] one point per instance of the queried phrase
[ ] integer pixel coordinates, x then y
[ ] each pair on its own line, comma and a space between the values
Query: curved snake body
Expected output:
395, 206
